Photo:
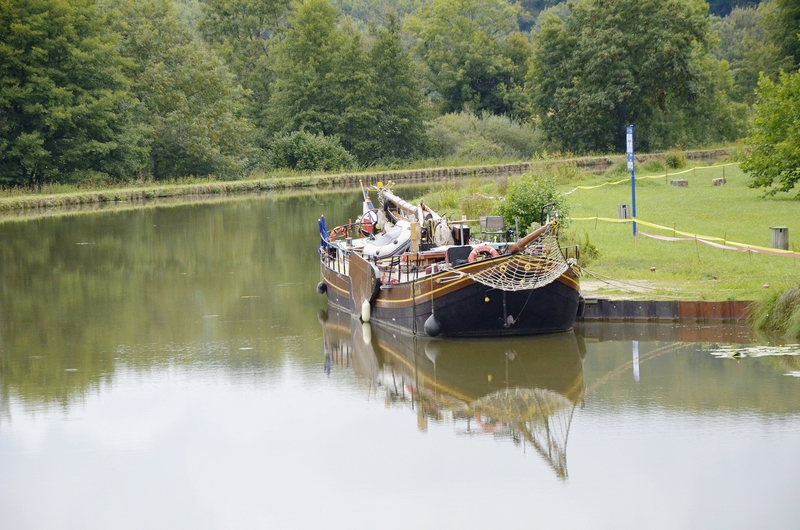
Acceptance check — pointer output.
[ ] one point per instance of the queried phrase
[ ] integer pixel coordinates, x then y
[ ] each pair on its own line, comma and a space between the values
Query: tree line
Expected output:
96, 90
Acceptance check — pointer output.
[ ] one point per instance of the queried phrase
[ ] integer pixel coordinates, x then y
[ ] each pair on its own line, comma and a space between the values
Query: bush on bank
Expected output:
779, 312
304, 151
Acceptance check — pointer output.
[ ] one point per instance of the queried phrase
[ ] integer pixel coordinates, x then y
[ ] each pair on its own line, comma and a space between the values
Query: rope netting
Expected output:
536, 265
542, 416
522, 405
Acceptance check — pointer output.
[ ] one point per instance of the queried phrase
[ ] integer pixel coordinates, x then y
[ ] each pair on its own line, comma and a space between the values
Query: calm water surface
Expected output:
172, 367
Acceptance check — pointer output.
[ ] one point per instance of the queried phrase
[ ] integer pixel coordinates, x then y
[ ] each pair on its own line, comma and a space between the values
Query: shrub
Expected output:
588, 252
779, 312
475, 138
675, 159
620, 168
738, 153
653, 166
305, 151
475, 205
525, 198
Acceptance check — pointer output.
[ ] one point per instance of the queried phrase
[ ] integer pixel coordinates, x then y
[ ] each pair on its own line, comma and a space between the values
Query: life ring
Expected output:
482, 250
337, 231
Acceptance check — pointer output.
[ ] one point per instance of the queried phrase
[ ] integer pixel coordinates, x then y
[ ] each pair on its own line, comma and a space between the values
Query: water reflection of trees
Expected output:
199, 284
149, 287
523, 390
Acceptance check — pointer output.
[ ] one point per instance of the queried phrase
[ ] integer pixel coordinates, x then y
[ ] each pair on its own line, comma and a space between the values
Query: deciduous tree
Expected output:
190, 103
774, 161
782, 24
241, 31
323, 82
470, 63
613, 63
400, 125
63, 100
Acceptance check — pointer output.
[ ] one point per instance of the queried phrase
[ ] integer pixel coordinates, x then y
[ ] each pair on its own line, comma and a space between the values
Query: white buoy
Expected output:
365, 311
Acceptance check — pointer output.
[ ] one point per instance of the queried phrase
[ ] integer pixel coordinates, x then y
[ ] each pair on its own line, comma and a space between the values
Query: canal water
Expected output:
173, 367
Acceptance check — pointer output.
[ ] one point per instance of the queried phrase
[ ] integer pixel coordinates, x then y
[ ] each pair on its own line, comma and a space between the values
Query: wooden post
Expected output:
416, 236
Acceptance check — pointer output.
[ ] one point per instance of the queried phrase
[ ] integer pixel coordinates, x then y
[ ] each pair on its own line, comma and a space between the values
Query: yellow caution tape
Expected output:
687, 234
645, 177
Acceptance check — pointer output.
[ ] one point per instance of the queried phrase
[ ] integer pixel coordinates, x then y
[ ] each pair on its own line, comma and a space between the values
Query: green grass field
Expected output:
684, 270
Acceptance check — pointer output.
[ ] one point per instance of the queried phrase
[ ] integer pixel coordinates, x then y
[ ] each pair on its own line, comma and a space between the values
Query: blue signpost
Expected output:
629, 142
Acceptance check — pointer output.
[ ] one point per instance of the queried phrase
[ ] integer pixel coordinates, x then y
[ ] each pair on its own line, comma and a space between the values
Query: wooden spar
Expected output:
522, 243
405, 206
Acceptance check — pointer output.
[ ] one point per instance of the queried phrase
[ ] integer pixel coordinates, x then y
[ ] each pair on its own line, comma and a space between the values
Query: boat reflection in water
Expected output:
522, 389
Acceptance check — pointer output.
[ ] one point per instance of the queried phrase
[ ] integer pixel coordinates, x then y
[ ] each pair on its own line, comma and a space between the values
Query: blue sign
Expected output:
629, 143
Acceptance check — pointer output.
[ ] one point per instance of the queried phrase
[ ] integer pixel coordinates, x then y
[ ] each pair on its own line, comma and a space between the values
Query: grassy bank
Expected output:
647, 268
66, 196
779, 313
686, 269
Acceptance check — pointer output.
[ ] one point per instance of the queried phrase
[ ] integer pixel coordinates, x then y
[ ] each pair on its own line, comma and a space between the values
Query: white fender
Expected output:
365, 311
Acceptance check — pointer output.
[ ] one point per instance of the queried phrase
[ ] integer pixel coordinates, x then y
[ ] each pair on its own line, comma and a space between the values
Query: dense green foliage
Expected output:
322, 80
305, 151
240, 31
190, 108
473, 57
400, 126
751, 41
592, 75
471, 137
66, 110
527, 199
118, 90
779, 312
774, 161
784, 27
371, 11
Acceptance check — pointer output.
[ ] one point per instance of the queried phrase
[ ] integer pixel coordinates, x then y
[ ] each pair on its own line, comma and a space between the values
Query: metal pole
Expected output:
629, 142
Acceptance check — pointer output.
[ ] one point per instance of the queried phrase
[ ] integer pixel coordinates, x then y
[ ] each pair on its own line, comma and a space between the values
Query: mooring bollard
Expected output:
780, 237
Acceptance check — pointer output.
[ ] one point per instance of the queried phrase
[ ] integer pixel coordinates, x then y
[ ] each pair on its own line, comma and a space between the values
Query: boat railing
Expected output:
407, 267
396, 270
336, 259
572, 252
